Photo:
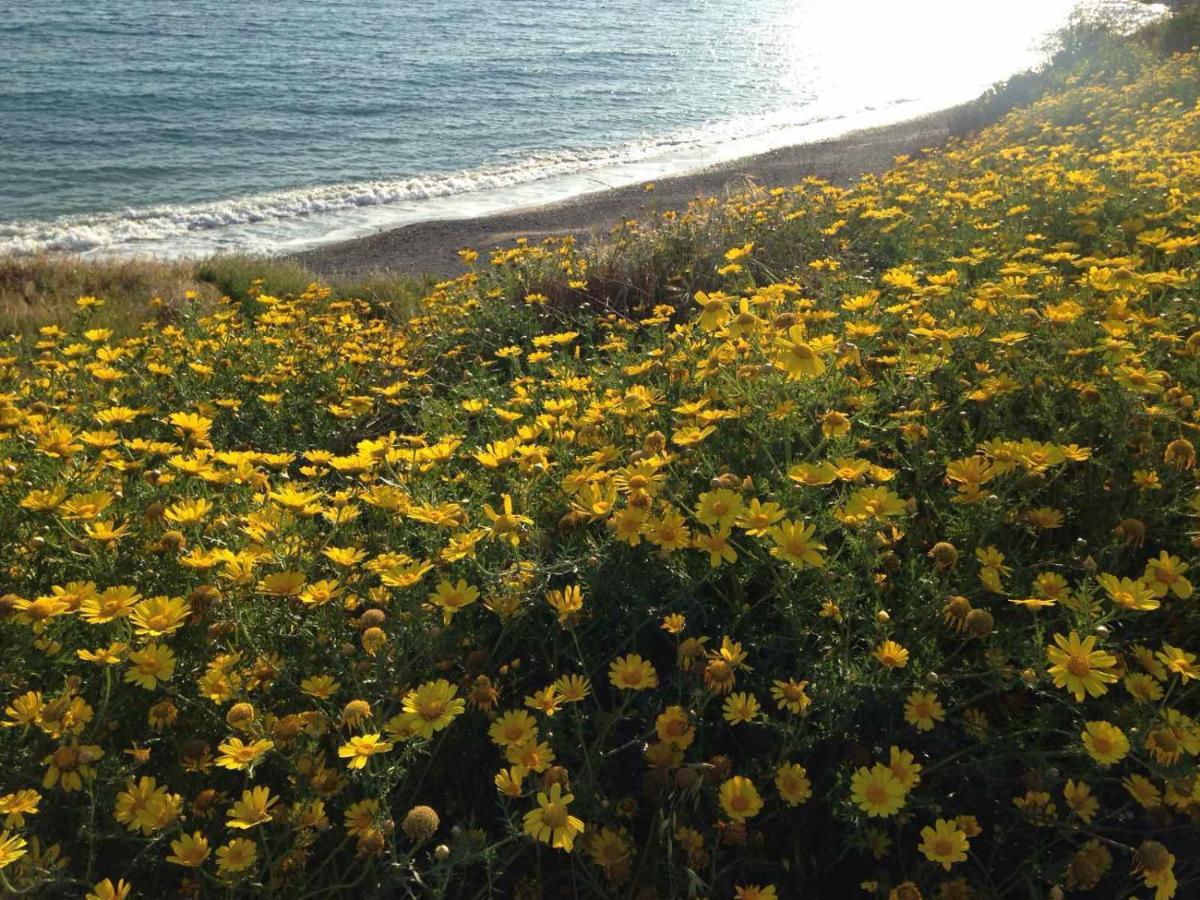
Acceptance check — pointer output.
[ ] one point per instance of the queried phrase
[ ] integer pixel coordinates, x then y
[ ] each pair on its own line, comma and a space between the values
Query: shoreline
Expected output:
431, 248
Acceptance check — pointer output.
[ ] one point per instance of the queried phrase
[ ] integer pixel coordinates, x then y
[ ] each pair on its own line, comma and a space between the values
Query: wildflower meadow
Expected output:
814, 542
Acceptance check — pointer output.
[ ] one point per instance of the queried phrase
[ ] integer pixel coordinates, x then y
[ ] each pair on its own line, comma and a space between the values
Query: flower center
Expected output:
554, 815
431, 709
1079, 667
65, 758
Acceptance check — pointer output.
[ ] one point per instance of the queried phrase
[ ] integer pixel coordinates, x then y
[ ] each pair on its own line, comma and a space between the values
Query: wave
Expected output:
303, 216
156, 227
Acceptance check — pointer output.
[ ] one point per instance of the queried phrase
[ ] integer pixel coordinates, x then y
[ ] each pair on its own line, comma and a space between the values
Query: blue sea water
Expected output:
194, 126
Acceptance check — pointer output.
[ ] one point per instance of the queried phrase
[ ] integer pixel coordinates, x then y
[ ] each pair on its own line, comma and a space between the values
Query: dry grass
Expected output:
42, 290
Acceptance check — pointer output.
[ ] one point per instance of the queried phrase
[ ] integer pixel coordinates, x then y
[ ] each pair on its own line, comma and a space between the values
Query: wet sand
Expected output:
430, 248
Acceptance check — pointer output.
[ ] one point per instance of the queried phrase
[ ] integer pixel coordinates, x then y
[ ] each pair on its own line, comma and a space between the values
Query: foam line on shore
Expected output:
296, 218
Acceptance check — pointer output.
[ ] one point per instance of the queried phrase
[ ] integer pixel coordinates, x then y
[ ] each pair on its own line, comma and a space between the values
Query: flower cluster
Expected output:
851, 556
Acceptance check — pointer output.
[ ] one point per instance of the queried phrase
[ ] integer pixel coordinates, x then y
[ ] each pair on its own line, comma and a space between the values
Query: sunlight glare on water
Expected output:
851, 55
132, 126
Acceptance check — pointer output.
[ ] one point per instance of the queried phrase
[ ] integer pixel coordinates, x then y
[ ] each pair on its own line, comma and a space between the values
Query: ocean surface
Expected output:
189, 127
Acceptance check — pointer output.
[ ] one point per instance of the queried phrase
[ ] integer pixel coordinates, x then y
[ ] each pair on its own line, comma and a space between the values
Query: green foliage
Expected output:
236, 275
787, 495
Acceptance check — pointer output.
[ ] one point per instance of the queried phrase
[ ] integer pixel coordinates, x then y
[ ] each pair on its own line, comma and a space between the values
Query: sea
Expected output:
192, 127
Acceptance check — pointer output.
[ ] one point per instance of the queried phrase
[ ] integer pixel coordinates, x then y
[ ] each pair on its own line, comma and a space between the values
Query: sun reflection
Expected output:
838, 55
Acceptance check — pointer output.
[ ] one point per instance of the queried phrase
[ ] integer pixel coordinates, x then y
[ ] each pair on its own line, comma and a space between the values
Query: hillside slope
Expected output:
822, 542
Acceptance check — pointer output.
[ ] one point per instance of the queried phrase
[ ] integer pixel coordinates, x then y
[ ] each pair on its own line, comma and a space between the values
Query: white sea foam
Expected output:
304, 216
296, 218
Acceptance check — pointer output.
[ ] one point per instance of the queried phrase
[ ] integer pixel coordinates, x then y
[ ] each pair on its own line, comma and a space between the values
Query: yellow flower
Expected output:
739, 798
319, 687
105, 656
629, 524
790, 695
758, 518
360, 817
106, 890
567, 602
891, 655
1156, 865
547, 700
282, 584
691, 435
344, 557
674, 728
191, 426
668, 532
506, 524
188, 512
1105, 743
361, 748
17, 805
1143, 687
793, 542
813, 474
907, 772
318, 593
69, 765
433, 706
509, 781
740, 708
12, 848
719, 508
714, 309
189, 850
869, 504
515, 727
877, 791
835, 424
159, 616
611, 850
24, 710
1179, 661
236, 856
632, 673
922, 710
1143, 791
296, 500
106, 531
451, 598
797, 357
755, 892
152, 664
792, 781
238, 756
112, 603
1080, 800
40, 611
716, 545
1079, 667
572, 688
944, 843
674, 623
254, 808
146, 806
1165, 574
552, 822
1129, 594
